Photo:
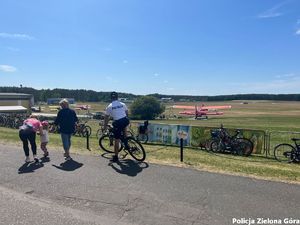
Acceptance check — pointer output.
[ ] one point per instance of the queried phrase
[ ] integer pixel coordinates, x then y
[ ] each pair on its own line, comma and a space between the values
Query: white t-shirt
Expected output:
45, 136
116, 110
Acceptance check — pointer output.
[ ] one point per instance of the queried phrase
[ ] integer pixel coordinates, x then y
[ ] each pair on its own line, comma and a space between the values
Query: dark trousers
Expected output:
25, 137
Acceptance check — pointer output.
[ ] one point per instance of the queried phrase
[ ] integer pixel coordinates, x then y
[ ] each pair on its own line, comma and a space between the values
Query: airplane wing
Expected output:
202, 107
216, 107
200, 113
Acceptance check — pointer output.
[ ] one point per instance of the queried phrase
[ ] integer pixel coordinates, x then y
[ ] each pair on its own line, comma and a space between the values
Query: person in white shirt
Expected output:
118, 111
45, 138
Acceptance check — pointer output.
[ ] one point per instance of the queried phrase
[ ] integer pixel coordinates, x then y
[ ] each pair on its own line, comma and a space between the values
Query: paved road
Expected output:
90, 190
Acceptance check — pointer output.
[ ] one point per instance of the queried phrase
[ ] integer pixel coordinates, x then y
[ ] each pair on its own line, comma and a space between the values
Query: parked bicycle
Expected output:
287, 152
142, 132
82, 129
12, 120
99, 132
129, 145
223, 142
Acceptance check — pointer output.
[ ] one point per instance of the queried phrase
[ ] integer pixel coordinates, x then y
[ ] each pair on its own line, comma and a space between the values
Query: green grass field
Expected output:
261, 115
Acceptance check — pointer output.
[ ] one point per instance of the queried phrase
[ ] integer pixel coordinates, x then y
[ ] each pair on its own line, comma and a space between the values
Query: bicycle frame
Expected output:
128, 144
296, 156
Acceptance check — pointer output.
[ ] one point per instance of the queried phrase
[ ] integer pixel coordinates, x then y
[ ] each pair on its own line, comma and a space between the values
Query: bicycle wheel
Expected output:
106, 142
284, 152
86, 130
142, 138
216, 146
136, 150
243, 146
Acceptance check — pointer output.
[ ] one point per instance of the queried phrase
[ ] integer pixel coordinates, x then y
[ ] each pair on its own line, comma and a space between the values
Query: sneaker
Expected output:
36, 160
115, 158
46, 154
67, 158
27, 159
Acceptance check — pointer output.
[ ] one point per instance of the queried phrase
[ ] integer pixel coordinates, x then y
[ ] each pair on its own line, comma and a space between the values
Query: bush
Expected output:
146, 108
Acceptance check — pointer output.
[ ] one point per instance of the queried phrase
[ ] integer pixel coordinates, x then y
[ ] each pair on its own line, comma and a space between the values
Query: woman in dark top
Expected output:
66, 120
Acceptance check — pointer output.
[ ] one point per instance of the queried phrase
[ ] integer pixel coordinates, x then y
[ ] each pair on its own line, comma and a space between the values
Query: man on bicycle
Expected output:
118, 111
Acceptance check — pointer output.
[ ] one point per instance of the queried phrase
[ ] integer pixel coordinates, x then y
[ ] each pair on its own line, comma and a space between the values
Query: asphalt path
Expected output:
91, 190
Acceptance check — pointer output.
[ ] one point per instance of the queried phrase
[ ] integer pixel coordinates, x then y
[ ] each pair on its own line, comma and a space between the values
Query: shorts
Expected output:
119, 126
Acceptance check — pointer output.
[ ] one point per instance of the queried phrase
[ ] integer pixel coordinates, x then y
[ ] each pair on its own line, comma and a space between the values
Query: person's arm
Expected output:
41, 129
126, 110
106, 117
76, 118
58, 118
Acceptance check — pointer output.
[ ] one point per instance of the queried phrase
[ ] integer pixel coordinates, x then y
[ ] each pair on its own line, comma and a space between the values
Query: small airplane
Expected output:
200, 111
82, 107
54, 107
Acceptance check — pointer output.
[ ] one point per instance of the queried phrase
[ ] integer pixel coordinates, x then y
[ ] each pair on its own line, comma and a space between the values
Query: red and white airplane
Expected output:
82, 107
200, 111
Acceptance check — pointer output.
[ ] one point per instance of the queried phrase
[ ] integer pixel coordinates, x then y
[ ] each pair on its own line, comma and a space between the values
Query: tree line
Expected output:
83, 95
80, 95
277, 97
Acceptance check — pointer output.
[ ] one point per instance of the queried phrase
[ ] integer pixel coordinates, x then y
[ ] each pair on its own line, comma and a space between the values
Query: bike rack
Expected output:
87, 140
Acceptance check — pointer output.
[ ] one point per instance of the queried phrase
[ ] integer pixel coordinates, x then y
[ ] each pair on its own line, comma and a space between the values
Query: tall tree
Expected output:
146, 108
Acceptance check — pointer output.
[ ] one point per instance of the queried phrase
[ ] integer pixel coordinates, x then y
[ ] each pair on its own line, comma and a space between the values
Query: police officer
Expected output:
118, 111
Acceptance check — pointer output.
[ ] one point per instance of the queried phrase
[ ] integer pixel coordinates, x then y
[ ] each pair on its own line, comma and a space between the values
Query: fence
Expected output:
263, 141
199, 136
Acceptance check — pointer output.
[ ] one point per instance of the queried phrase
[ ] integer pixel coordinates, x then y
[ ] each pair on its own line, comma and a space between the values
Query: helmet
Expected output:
114, 95
45, 123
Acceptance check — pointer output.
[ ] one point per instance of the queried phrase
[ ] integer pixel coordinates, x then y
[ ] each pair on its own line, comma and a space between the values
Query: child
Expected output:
45, 138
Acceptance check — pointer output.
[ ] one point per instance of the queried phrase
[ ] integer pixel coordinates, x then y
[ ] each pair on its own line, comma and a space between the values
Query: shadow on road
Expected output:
129, 167
69, 165
30, 167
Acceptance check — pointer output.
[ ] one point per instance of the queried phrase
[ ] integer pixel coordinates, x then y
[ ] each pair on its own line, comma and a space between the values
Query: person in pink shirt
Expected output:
27, 132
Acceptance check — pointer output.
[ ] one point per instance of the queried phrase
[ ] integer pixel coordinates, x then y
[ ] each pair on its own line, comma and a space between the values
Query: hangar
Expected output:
17, 99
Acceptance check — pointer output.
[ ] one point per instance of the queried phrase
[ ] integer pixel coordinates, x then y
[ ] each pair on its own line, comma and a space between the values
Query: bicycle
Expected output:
128, 145
82, 129
288, 153
99, 132
222, 142
142, 131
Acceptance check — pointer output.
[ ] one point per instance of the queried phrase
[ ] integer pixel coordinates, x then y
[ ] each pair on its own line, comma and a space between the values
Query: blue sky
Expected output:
191, 47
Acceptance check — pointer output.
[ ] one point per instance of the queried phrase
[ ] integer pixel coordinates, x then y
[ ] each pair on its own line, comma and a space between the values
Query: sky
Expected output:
174, 47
